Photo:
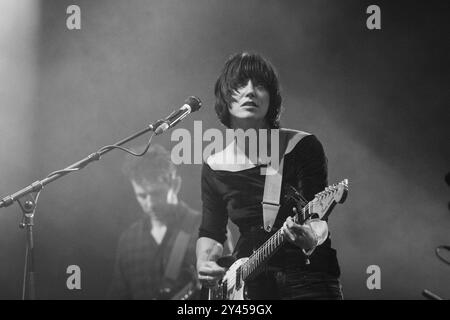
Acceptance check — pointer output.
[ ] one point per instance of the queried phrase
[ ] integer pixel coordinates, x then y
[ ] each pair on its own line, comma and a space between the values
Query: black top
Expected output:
141, 263
238, 196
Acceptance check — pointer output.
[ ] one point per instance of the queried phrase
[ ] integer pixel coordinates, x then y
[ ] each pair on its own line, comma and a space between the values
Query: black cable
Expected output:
105, 148
96, 155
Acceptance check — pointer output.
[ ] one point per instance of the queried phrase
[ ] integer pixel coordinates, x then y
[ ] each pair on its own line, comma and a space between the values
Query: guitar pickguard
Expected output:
232, 286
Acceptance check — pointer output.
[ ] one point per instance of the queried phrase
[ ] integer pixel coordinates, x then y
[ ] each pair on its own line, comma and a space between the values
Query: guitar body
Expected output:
232, 286
190, 291
172, 290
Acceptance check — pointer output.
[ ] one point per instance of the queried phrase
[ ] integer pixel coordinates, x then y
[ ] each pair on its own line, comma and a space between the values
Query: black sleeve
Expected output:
214, 212
312, 172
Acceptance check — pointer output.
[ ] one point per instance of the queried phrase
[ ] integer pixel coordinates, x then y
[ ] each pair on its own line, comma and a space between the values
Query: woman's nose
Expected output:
250, 89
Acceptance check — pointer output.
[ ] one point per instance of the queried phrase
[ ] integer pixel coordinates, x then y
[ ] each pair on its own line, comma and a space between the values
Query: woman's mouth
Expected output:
249, 104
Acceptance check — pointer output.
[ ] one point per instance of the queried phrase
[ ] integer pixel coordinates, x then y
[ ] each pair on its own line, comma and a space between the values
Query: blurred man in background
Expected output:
155, 256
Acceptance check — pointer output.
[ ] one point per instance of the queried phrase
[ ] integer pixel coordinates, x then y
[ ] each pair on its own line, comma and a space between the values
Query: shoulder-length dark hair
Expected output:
240, 68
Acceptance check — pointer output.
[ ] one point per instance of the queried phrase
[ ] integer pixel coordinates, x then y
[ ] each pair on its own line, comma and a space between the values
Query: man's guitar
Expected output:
232, 285
189, 292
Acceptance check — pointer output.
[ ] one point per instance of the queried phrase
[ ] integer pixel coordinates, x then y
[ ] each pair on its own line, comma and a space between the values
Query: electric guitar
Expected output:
232, 285
188, 292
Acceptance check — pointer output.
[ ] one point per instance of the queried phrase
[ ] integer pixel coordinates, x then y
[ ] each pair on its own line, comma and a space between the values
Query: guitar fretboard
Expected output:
252, 266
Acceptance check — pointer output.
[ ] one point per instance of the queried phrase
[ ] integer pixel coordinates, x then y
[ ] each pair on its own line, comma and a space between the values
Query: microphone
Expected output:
191, 104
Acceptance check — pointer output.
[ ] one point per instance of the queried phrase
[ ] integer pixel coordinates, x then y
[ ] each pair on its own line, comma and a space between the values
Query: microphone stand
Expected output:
28, 196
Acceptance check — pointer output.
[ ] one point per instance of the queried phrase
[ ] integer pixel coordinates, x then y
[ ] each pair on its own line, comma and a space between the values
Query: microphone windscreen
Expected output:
194, 102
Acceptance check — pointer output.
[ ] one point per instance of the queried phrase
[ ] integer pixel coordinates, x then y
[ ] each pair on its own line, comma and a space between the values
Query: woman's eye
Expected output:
258, 85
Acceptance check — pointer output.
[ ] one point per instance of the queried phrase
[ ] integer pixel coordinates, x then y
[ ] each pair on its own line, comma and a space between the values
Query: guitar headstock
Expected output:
324, 201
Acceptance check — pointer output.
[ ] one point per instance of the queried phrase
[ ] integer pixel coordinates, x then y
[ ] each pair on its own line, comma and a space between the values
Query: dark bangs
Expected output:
249, 67
237, 71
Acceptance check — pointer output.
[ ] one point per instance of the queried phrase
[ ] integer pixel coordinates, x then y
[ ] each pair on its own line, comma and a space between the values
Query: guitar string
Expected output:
265, 246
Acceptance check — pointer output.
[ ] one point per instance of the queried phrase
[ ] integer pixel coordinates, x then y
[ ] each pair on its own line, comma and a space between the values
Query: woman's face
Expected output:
249, 102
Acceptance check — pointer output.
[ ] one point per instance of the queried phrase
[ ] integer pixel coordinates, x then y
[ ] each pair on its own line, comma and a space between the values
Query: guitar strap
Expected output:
272, 187
177, 255
180, 246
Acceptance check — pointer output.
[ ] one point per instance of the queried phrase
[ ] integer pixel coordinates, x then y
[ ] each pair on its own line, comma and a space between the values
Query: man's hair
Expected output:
240, 68
154, 167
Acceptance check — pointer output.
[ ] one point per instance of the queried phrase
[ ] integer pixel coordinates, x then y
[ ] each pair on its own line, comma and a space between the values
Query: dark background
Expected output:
377, 99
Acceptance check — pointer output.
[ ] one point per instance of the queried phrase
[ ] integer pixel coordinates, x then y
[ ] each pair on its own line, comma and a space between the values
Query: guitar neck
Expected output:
320, 206
260, 256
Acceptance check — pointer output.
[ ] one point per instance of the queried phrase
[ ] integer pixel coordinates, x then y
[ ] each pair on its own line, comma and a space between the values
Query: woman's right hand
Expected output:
209, 273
